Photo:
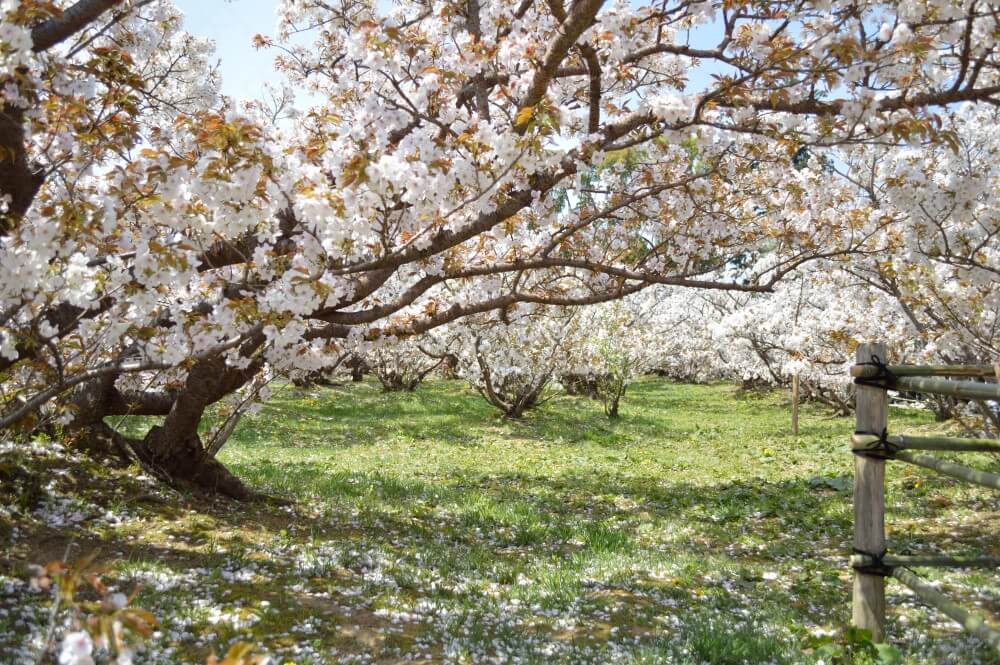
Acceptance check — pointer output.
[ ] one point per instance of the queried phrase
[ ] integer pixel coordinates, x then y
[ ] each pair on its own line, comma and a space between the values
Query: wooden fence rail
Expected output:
981, 371
927, 561
939, 443
973, 623
959, 389
969, 475
872, 446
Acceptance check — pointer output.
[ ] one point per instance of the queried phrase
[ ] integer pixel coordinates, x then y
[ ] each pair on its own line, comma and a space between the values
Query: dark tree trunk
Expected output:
449, 368
187, 460
317, 378
358, 368
19, 179
612, 402
173, 451
176, 450
88, 432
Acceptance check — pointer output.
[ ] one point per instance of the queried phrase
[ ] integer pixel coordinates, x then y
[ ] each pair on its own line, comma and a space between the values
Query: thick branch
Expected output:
47, 34
116, 368
19, 179
580, 18
140, 402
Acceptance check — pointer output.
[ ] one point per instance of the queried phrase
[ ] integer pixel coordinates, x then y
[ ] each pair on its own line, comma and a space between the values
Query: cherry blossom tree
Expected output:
512, 359
402, 365
939, 260
464, 158
618, 342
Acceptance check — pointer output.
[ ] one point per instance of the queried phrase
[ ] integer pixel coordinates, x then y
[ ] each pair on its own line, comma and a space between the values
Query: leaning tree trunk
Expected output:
173, 451
176, 450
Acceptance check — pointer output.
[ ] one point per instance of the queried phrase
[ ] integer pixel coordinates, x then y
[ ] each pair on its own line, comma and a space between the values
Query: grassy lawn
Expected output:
695, 529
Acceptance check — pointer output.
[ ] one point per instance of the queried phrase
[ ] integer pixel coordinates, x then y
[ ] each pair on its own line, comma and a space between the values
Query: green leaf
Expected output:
888, 654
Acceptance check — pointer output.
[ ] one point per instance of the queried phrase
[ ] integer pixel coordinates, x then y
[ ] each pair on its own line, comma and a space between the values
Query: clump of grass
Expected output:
712, 641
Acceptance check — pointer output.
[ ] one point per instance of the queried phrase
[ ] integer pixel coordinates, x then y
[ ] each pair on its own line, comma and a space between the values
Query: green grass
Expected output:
695, 529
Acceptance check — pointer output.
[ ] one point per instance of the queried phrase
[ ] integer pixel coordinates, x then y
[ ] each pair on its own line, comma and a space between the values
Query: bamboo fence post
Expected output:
871, 415
795, 405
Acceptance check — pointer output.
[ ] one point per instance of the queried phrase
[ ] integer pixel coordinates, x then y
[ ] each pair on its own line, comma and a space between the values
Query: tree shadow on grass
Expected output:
716, 514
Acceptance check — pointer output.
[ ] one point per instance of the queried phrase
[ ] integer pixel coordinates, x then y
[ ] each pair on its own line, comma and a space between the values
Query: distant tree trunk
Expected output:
613, 409
317, 378
613, 400
754, 385
611, 389
449, 368
393, 382
515, 404
512, 397
581, 384
395, 379
841, 401
358, 368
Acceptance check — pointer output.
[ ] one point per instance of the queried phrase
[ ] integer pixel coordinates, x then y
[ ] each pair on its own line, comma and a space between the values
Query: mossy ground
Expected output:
424, 528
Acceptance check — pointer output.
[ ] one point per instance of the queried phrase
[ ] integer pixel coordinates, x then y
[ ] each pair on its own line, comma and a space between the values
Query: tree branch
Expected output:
57, 29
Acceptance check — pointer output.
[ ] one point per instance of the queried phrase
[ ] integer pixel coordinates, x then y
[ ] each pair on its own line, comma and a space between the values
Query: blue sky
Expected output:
232, 24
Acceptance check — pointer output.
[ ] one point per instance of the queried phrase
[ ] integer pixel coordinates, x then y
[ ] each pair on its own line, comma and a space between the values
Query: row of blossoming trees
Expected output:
814, 170
512, 358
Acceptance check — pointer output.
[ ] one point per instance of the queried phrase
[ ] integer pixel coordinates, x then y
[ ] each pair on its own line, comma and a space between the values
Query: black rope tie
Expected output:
882, 448
883, 377
875, 566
